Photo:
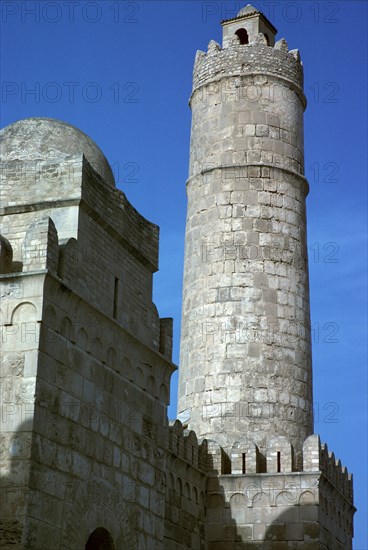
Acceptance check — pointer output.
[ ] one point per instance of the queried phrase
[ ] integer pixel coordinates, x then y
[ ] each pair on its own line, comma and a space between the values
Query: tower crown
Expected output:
246, 26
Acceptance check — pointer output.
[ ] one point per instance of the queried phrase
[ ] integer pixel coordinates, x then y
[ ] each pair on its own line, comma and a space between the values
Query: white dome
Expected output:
47, 138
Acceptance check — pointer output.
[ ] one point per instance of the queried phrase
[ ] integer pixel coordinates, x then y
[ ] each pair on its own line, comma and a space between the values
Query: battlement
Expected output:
247, 494
72, 184
40, 250
335, 472
275, 63
184, 444
206, 456
245, 458
62, 214
63, 173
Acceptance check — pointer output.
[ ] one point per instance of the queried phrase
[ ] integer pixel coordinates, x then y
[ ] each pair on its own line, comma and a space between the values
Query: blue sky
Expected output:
121, 71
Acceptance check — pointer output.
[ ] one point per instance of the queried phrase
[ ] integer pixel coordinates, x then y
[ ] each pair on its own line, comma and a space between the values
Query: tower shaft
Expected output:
245, 365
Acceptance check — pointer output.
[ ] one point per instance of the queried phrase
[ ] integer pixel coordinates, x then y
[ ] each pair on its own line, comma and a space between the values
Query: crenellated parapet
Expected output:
266, 498
206, 456
62, 190
186, 480
316, 457
256, 495
249, 46
184, 445
39, 249
246, 458
238, 60
61, 214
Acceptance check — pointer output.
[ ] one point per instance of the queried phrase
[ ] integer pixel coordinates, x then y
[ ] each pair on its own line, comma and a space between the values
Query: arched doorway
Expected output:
100, 539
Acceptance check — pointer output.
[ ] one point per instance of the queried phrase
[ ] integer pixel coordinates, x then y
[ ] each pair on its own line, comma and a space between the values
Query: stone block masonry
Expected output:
87, 361
246, 192
89, 458
245, 378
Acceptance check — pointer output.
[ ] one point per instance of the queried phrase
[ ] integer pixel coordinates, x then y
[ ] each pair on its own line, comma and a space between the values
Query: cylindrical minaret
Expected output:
245, 365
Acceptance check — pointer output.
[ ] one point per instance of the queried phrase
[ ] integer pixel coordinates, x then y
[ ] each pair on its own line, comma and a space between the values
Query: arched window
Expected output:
100, 539
243, 36
267, 38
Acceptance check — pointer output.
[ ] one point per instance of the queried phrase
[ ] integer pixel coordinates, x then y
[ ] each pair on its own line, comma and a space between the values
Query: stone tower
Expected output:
89, 459
245, 379
245, 365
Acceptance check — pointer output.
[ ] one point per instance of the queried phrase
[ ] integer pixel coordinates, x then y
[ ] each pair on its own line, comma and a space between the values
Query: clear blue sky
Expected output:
121, 71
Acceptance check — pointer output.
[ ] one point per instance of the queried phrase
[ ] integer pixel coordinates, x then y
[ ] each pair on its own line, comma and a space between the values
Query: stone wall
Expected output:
249, 502
87, 364
280, 507
115, 255
21, 315
186, 479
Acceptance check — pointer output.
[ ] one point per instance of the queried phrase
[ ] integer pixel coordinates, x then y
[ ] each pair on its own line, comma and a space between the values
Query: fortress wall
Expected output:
87, 370
117, 249
309, 509
186, 480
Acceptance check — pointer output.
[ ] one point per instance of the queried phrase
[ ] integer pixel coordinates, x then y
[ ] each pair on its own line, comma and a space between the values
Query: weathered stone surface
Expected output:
88, 458
244, 114
40, 139
86, 363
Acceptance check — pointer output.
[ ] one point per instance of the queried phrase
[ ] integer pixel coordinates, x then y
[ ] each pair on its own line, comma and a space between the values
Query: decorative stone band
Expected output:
245, 457
214, 82
257, 170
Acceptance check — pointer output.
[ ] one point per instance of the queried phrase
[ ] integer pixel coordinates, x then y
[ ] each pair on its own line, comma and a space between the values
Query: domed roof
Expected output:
50, 139
247, 10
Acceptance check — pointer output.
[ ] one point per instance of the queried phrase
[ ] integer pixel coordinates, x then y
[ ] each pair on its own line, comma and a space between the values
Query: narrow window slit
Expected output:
116, 298
278, 461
